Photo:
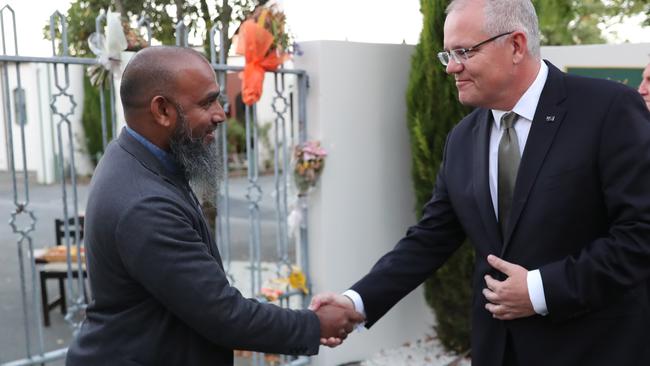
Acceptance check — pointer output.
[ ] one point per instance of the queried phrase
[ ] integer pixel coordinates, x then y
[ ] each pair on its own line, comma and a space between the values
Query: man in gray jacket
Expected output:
160, 294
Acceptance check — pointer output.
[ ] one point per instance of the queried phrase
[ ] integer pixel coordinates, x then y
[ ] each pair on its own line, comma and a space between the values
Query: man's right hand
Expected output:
336, 322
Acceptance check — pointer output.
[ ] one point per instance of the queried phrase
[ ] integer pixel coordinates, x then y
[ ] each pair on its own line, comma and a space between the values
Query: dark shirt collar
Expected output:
166, 159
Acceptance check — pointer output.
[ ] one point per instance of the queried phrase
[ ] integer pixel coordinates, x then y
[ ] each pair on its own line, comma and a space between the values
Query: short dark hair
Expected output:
151, 72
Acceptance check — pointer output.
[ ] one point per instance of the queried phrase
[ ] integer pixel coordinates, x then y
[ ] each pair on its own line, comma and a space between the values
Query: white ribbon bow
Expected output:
108, 51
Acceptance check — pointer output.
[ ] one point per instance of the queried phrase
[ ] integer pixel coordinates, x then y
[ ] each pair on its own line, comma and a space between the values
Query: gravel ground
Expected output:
423, 352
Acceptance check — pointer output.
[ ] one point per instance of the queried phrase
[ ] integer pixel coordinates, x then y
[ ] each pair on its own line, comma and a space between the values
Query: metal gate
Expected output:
288, 129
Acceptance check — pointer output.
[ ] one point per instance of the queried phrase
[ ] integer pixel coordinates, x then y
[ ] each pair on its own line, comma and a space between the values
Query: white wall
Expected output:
41, 142
364, 202
46, 169
119, 109
611, 55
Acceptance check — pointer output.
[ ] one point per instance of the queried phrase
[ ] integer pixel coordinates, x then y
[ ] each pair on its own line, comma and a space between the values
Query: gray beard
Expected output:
202, 163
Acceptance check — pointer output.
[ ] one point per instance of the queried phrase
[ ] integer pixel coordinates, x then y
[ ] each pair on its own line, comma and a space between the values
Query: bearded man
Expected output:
160, 294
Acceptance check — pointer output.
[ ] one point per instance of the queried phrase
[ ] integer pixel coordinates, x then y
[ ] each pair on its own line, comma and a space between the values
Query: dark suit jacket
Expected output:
580, 214
161, 296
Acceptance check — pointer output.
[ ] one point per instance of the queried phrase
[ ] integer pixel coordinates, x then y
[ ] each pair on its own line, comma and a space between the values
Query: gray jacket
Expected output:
160, 294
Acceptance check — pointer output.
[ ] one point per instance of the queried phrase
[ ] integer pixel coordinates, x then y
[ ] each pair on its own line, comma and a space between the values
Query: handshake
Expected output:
337, 317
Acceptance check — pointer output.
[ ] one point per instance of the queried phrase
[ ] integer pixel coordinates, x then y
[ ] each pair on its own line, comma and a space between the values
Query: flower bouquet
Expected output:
309, 163
263, 41
134, 40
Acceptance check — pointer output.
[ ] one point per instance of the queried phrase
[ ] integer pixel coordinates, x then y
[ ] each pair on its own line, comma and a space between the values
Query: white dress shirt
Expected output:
525, 109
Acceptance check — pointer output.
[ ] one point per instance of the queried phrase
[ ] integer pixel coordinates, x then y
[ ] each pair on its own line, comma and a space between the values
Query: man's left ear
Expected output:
519, 46
162, 111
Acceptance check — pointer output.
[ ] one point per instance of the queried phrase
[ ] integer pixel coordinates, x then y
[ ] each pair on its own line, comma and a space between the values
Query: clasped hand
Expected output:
507, 299
337, 317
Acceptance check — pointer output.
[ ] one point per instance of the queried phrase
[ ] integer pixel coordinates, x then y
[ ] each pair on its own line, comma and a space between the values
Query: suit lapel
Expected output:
548, 118
481, 182
140, 152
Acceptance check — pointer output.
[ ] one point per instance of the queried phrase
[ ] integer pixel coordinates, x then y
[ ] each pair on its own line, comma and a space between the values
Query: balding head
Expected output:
171, 98
151, 72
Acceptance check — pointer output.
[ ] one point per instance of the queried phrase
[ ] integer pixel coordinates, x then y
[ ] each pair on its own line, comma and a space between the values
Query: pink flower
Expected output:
312, 149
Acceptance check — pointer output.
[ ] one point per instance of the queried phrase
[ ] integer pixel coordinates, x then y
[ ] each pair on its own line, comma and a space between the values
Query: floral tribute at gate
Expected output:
309, 163
263, 41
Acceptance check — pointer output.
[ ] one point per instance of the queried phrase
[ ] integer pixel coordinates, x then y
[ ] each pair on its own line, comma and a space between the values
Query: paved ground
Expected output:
46, 203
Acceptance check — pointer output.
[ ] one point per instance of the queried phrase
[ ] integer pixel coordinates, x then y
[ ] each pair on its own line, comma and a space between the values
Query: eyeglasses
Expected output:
461, 54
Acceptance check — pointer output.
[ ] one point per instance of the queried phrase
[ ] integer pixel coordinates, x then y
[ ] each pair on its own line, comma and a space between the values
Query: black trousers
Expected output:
510, 356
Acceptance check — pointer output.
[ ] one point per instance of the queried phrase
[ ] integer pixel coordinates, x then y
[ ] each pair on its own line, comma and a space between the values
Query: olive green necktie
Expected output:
507, 167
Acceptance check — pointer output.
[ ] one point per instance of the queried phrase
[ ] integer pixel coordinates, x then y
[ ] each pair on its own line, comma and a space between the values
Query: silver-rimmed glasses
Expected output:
462, 54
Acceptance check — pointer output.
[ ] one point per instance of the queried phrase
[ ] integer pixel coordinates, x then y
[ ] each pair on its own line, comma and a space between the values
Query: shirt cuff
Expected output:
536, 292
358, 306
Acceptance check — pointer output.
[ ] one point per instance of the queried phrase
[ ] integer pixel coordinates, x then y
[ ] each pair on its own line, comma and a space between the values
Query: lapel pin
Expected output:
550, 118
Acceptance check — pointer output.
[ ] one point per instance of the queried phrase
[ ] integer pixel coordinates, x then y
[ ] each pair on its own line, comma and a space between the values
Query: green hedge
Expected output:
433, 109
92, 121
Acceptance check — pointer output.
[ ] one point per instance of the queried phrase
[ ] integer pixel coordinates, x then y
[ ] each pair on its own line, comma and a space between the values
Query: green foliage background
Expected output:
91, 120
564, 22
433, 109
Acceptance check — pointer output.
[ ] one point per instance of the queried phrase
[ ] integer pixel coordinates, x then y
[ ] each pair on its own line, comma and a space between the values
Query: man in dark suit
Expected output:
555, 199
160, 294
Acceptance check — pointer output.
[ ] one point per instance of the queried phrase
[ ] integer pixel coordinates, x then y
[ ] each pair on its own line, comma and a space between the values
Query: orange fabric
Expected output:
254, 43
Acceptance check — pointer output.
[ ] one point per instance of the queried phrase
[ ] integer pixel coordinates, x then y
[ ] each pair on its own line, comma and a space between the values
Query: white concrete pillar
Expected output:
364, 202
